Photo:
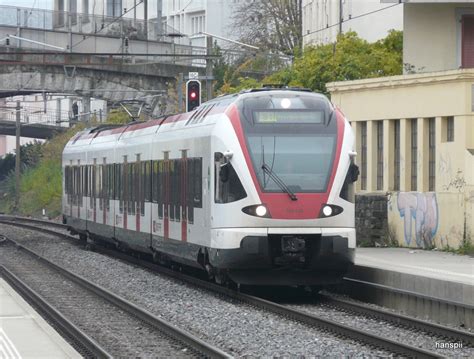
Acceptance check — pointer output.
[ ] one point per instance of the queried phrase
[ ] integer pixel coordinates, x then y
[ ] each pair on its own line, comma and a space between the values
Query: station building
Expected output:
415, 133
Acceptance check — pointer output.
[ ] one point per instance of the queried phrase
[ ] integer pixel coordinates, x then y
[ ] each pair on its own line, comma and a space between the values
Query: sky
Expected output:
37, 4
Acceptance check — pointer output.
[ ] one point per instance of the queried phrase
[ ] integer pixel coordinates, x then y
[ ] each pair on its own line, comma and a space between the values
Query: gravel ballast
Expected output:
236, 328
119, 333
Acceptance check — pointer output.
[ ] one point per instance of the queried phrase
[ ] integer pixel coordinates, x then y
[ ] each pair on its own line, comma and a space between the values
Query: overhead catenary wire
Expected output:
352, 18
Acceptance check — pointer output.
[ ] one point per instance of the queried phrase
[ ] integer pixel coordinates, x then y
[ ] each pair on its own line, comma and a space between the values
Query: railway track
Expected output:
315, 321
85, 345
99, 311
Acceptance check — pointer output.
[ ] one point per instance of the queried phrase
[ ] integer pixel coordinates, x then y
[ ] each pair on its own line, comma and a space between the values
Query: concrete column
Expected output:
69, 107
356, 128
388, 155
3, 145
58, 111
86, 108
371, 156
422, 178
105, 111
405, 155
440, 135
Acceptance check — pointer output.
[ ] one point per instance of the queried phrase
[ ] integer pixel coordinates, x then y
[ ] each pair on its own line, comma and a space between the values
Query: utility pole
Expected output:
145, 15
209, 68
180, 92
17, 158
341, 15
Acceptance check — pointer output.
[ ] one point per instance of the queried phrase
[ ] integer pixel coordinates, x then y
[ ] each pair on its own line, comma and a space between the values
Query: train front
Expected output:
284, 172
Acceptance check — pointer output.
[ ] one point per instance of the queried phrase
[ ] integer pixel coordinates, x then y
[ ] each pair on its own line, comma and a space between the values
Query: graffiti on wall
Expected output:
422, 210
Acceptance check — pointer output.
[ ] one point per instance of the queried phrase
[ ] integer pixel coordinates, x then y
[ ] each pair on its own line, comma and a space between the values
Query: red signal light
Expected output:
193, 94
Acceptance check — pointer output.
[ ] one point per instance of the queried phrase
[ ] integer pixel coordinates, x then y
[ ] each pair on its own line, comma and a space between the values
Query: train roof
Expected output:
218, 104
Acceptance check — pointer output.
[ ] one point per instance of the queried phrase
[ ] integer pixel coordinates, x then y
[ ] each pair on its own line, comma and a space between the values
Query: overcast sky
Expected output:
37, 4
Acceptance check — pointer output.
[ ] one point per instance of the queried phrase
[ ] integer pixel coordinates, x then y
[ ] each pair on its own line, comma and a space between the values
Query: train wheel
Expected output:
90, 245
221, 278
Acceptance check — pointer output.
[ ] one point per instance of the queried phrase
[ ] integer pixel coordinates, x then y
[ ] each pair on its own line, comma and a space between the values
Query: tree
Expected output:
350, 58
272, 25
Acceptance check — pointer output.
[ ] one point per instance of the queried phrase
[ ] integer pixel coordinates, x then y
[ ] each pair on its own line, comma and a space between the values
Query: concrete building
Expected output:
370, 19
192, 17
415, 132
451, 23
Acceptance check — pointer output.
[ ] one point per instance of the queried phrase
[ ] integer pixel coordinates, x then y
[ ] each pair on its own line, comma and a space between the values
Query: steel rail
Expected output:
306, 318
80, 341
401, 320
281, 310
33, 220
161, 325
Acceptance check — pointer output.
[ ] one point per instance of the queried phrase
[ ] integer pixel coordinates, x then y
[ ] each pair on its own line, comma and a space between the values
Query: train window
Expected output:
198, 182
227, 185
144, 185
72, 184
99, 186
347, 191
190, 190
155, 179
111, 182
124, 170
94, 185
171, 188
131, 192
177, 190
159, 187
82, 180
119, 187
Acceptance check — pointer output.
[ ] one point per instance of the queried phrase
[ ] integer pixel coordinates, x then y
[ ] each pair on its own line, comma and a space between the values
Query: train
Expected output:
254, 188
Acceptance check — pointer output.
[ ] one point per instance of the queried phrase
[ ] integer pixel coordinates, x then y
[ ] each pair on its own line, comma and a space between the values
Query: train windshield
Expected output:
292, 137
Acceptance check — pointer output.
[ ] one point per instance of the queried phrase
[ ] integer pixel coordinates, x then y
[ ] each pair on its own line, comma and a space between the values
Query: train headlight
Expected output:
259, 210
330, 210
327, 210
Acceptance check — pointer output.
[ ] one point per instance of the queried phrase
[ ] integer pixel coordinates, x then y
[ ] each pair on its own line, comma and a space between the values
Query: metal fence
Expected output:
53, 118
123, 26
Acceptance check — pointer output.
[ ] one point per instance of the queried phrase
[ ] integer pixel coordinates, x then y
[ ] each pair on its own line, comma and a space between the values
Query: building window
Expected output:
363, 155
414, 153
450, 129
431, 154
114, 8
467, 46
396, 157
379, 155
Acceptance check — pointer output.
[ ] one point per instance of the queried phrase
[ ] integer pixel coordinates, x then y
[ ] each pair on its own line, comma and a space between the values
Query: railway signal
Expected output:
193, 94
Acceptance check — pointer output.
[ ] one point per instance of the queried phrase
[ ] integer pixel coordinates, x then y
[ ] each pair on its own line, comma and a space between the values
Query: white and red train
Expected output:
255, 187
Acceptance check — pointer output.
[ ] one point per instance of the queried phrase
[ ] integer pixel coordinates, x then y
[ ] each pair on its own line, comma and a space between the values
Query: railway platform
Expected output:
433, 284
24, 333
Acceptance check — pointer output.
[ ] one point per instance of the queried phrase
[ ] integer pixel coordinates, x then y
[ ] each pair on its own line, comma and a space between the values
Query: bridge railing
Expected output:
84, 23
56, 118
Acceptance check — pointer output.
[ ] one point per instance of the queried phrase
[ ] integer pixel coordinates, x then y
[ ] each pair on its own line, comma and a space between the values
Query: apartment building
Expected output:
191, 17
369, 18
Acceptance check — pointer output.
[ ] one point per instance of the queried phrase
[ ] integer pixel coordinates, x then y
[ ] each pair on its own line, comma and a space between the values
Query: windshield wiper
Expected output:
278, 181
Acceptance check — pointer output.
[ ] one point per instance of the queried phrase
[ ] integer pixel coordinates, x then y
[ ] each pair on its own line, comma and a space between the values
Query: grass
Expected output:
41, 186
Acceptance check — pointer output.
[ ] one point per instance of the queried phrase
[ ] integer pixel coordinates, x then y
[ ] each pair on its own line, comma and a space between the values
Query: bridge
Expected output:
91, 56
88, 56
